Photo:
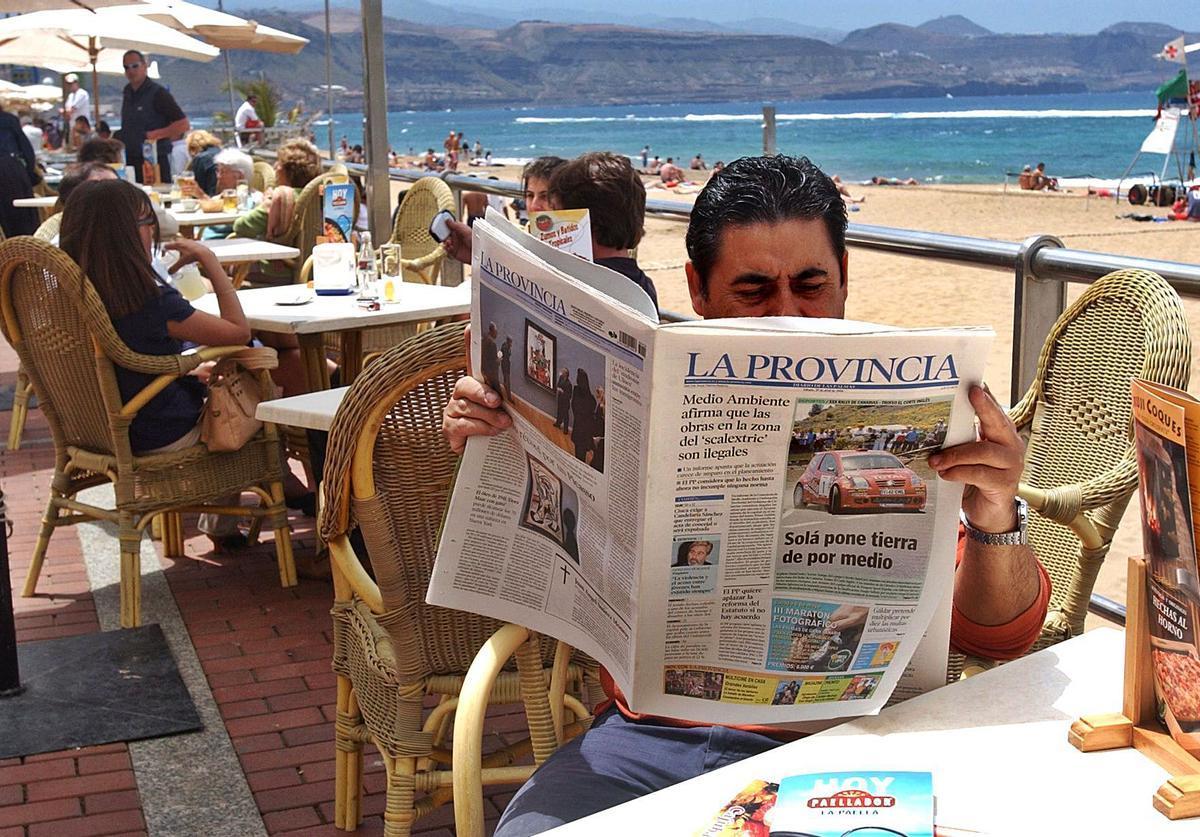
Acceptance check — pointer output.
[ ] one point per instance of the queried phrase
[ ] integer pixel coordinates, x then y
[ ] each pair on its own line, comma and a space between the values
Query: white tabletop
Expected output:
204, 219
996, 745
39, 202
237, 250
342, 313
313, 410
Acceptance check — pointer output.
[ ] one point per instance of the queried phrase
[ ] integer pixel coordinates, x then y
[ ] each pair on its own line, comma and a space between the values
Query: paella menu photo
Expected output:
1167, 429
736, 517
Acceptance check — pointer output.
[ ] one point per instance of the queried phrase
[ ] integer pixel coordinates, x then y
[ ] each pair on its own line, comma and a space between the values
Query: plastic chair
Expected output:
60, 329
389, 472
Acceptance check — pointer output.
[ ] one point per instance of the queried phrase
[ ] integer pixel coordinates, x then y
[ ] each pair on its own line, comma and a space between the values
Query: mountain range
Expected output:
488, 63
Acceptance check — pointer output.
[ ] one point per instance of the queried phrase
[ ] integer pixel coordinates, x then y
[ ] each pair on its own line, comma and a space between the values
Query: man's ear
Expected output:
699, 303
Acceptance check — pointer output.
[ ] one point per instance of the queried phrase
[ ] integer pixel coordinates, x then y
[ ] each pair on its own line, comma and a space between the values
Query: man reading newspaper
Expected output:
767, 238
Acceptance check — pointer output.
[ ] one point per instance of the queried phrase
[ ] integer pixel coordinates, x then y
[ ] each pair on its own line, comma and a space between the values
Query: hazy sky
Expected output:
1010, 16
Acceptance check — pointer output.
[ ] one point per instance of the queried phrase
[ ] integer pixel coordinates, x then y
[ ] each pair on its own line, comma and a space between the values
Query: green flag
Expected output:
1176, 88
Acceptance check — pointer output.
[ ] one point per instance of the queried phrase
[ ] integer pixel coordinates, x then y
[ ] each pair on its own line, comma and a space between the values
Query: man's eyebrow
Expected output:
759, 278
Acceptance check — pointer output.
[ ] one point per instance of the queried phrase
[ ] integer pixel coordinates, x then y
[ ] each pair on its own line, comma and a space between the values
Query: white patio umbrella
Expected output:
219, 29
222, 30
57, 38
14, 7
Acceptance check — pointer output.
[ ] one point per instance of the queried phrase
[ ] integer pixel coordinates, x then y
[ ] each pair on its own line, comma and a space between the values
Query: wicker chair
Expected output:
308, 221
62, 333
48, 231
422, 255
263, 177
389, 469
1080, 462
49, 228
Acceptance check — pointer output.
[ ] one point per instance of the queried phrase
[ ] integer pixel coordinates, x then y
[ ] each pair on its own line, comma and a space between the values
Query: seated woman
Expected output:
202, 148
297, 163
234, 167
110, 229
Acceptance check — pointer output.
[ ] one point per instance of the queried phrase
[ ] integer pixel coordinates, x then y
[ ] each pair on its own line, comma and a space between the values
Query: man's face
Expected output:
698, 553
537, 195
135, 69
786, 269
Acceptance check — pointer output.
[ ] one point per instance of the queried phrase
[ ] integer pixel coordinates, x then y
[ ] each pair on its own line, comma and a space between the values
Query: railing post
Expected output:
768, 126
1037, 304
379, 186
452, 269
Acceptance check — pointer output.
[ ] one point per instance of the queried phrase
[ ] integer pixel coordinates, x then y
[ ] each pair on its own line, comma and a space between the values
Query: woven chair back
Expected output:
55, 320
263, 176
1128, 324
309, 219
424, 199
49, 228
395, 405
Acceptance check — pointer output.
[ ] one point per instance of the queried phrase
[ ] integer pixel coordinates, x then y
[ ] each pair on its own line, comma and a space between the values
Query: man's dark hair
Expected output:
762, 190
100, 150
541, 167
141, 55
606, 185
72, 177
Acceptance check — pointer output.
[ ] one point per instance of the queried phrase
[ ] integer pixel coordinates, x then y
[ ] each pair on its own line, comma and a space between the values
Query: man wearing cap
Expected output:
246, 120
78, 104
148, 113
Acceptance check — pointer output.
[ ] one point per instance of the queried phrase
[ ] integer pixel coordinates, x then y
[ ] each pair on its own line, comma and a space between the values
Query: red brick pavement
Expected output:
266, 654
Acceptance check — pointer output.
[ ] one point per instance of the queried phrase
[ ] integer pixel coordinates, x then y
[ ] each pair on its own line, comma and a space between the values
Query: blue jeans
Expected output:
618, 760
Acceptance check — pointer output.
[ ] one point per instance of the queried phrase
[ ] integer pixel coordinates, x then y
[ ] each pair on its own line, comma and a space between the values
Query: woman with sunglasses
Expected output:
109, 228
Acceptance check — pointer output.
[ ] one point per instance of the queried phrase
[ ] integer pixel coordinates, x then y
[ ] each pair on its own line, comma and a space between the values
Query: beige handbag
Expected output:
228, 421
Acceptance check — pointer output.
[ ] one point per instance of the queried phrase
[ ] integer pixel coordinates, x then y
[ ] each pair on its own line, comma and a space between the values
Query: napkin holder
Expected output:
333, 269
1137, 724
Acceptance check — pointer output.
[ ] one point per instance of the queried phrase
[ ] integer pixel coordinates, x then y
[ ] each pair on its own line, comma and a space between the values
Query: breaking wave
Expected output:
1125, 113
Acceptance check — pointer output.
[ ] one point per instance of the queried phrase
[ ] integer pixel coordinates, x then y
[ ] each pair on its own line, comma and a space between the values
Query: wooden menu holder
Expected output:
1137, 725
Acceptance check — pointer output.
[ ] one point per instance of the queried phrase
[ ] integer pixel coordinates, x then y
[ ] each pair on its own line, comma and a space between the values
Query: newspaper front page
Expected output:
735, 517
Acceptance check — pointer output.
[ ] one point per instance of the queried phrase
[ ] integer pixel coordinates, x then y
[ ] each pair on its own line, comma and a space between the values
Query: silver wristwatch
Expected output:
1014, 538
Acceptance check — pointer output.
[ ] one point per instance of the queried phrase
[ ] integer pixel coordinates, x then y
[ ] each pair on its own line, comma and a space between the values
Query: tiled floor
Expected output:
265, 653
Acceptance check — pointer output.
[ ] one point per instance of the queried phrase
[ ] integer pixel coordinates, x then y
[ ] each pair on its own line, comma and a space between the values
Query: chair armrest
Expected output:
187, 362
468, 726
1064, 503
351, 577
430, 258
306, 271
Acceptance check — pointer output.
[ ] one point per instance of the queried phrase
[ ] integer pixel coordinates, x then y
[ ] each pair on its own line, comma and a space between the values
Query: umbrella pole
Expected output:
328, 81
229, 82
93, 54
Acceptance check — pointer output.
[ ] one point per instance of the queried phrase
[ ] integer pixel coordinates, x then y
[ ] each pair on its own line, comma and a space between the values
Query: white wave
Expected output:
1057, 113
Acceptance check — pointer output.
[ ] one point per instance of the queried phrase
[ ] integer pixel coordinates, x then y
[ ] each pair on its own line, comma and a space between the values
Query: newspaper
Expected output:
1167, 431
735, 517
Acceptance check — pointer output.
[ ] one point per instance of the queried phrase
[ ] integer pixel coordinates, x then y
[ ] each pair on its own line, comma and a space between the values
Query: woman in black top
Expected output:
109, 228
18, 174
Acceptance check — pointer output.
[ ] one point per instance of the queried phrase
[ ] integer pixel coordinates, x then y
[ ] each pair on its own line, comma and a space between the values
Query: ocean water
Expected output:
958, 140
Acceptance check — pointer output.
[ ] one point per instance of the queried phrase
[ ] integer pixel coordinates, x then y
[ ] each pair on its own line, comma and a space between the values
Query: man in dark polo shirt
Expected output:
148, 112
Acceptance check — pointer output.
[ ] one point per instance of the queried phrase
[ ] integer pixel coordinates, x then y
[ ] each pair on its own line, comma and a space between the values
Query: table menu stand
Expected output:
1137, 725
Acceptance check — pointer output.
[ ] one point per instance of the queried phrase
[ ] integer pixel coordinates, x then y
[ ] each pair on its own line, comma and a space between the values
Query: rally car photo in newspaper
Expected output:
852, 480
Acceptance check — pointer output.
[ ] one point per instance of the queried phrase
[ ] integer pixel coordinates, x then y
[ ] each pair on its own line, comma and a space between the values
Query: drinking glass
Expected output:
189, 282
390, 271
230, 200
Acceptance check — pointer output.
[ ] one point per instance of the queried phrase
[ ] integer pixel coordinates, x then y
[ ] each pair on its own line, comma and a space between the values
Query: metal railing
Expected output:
1041, 266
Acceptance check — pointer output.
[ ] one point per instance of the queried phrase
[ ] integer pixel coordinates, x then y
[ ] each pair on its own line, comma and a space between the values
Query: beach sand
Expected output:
917, 292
